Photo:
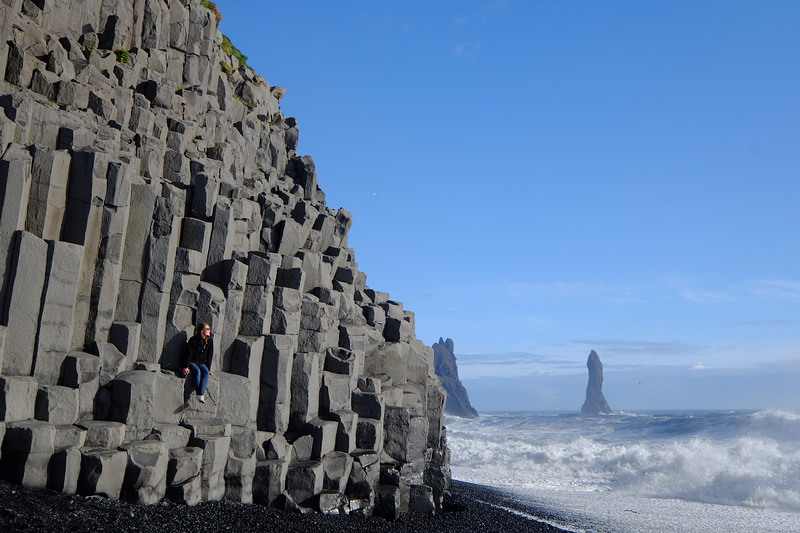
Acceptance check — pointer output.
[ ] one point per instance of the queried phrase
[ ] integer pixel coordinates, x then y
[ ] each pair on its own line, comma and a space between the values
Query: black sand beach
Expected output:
468, 508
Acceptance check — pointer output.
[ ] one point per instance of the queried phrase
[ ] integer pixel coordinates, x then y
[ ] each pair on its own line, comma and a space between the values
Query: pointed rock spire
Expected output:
595, 401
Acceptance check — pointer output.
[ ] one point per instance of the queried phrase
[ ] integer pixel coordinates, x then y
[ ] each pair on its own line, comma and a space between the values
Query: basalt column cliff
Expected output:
149, 182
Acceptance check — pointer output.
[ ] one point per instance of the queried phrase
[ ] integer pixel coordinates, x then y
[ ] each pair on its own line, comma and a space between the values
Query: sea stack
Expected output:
595, 403
445, 366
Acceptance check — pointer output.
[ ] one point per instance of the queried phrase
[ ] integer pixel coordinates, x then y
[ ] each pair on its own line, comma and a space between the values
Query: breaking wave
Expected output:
749, 459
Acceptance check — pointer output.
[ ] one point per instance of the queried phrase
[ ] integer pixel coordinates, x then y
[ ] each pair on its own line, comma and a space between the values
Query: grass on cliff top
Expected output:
211, 6
228, 48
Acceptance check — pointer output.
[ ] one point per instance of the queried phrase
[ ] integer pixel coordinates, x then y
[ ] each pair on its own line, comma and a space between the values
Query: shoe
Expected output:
202, 398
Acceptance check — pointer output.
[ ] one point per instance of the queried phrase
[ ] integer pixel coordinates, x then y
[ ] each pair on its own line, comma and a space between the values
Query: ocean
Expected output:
647, 472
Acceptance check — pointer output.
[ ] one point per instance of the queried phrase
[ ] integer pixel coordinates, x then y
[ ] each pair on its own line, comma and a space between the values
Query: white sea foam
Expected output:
739, 460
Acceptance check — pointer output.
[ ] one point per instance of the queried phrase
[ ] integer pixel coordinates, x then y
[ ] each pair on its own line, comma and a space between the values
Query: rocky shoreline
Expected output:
468, 508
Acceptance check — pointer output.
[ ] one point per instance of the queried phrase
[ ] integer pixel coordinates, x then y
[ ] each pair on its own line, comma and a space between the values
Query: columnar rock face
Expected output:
595, 401
148, 182
444, 359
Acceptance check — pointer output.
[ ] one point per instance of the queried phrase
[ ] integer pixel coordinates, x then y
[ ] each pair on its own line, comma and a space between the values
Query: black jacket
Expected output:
200, 352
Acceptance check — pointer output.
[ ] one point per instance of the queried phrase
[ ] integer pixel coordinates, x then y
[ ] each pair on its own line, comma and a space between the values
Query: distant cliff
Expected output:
148, 182
595, 401
445, 366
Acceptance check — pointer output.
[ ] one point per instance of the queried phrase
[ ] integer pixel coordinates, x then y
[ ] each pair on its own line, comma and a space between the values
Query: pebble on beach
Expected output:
468, 508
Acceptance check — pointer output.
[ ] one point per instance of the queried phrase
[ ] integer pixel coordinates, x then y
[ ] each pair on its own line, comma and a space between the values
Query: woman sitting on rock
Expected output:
198, 359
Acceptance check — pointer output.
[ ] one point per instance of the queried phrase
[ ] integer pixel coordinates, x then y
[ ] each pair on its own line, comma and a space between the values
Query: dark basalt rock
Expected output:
148, 181
445, 366
595, 401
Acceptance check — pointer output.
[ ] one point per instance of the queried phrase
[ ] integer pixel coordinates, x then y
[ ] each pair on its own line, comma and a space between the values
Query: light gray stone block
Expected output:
304, 389
125, 336
70, 436
56, 322
27, 448
142, 203
211, 309
337, 466
133, 397
291, 278
187, 493
332, 503
23, 304
112, 361
175, 436
57, 405
105, 285
302, 448
405, 436
64, 469
304, 480
215, 457
369, 384
221, 242
206, 190
195, 234
103, 434
230, 326
184, 464
207, 427
368, 404
335, 393
107, 269
154, 305
276, 383
102, 472
316, 341
364, 475
389, 358
387, 502
340, 361
247, 355
324, 434
48, 195
239, 474
145, 479
256, 311
346, 430
17, 398
80, 368
83, 225
237, 403
277, 448
269, 481
369, 434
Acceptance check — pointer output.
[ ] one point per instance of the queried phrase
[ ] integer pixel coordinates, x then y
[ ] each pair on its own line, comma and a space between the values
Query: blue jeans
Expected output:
199, 377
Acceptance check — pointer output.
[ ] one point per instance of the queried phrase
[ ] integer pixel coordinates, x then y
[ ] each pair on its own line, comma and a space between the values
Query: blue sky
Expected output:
537, 179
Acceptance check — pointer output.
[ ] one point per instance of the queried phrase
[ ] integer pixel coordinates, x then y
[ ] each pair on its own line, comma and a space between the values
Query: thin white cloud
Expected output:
783, 289
704, 296
466, 50
513, 364
509, 358
773, 322
537, 322
483, 14
687, 290
562, 289
768, 289
629, 347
